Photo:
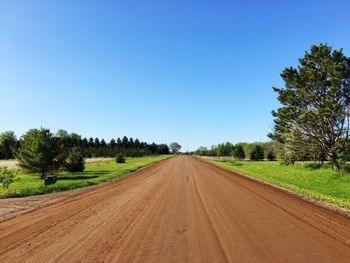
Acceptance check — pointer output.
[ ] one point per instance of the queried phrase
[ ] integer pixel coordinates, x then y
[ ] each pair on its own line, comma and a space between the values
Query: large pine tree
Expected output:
316, 101
37, 151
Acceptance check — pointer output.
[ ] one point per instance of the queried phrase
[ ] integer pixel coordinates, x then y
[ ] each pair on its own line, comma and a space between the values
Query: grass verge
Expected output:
322, 184
95, 173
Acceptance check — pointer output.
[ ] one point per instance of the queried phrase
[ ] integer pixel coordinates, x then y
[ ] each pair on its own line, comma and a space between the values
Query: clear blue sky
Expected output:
196, 72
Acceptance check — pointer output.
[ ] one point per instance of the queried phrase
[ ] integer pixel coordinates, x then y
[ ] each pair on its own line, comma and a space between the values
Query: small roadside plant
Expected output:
120, 158
6, 177
75, 161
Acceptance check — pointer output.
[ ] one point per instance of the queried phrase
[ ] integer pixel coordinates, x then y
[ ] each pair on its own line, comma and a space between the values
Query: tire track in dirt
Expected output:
178, 210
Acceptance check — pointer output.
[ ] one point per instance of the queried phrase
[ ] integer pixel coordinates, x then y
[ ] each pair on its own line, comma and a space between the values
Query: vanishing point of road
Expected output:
178, 210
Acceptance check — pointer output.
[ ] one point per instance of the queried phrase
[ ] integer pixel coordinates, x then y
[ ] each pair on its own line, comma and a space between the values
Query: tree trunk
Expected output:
334, 161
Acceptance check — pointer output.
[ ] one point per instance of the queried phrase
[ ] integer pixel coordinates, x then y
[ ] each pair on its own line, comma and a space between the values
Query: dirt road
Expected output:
179, 210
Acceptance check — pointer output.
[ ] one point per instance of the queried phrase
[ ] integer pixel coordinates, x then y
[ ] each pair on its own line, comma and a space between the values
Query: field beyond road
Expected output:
97, 170
181, 210
306, 179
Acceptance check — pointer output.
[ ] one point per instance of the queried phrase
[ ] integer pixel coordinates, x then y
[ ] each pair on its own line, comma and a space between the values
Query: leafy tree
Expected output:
175, 147
62, 134
153, 148
6, 177
316, 101
225, 149
74, 139
84, 143
62, 138
239, 152
257, 153
37, 151
162, 148
297, 148
75, 160
8, 142
202, 151
271, 156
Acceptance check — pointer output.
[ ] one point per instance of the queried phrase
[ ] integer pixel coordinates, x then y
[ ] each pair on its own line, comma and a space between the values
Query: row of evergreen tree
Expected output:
90, 147
255, 151
95, 147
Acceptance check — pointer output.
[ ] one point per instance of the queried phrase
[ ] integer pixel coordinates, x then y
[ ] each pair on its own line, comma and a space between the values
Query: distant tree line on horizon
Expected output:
256, 151
90, 147
41, 151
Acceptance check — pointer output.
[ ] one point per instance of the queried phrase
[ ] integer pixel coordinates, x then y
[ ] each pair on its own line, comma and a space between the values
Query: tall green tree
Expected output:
162, 148
75, 160
97, 142
224, 149
239, 152
153, 148
84, 143
75, 140
8, 142
257, 153
175, 147
112, 143
62, 133
37, 151
316, 101
125, 142
91, 142
271, 156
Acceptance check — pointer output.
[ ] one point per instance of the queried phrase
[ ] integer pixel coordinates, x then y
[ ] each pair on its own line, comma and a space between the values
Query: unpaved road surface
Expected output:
12, 207
179, 210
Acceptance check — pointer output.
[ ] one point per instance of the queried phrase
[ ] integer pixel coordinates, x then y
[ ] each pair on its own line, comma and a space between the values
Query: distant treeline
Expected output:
254, 151
271, 150
90, 147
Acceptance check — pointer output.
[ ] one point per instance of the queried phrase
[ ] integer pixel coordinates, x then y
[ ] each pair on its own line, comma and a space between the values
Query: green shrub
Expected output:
6, 177
120, 158
314, 166
271, 156
75, 161
239, 152
257, 153
346, 168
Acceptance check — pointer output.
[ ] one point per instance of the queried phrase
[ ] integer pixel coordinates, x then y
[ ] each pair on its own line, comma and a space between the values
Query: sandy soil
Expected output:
8, 163
97, 159
12, 207
178, 210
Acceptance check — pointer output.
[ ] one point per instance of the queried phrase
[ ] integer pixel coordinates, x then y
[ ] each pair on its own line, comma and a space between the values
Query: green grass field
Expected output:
95, 173
322, 184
